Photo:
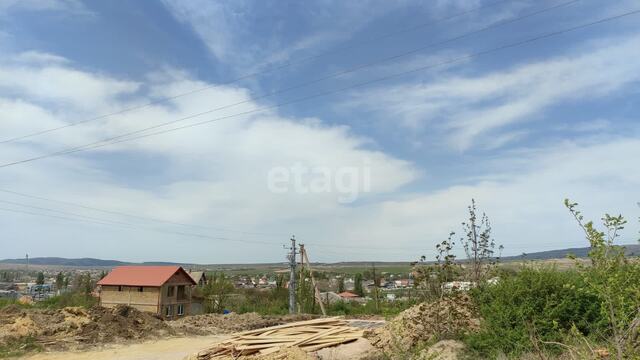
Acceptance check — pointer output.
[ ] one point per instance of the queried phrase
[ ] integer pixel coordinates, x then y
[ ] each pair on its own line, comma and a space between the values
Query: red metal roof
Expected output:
142, 275
347, 294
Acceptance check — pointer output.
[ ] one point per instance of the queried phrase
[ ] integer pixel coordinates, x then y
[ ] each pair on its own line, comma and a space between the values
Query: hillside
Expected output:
631, 249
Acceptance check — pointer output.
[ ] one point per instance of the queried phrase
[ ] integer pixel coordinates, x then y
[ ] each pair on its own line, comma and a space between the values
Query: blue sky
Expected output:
518, 129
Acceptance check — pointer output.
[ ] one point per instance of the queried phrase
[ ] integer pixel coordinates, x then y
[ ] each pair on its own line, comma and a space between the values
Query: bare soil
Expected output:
165, 349
76, 327
208, 324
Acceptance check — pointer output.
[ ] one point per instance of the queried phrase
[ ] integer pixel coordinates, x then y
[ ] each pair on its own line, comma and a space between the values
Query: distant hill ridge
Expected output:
78, 262
630, 249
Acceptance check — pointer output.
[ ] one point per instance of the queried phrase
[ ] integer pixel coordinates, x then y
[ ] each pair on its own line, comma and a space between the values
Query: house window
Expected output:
180, 310
140, 289
181, 292
120, 288
168, 312
170, 291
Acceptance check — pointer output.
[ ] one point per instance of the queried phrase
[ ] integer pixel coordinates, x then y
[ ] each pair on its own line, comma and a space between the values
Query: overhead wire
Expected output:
139, 217
83, 218
326, 93
124, 137
254, 74
358, 250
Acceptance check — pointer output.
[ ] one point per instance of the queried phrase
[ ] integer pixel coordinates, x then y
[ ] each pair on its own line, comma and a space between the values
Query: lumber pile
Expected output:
308, 335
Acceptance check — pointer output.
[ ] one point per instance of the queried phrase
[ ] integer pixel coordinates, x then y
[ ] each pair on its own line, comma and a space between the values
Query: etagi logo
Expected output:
346, 181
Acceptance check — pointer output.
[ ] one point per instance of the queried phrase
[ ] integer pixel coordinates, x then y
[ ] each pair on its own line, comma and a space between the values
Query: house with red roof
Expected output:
162, 290
347, 295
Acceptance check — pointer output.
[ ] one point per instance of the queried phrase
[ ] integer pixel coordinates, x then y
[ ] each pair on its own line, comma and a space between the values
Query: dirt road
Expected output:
167, 349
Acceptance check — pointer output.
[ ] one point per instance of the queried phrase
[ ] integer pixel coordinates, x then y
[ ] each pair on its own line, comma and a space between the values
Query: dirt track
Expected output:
167, 349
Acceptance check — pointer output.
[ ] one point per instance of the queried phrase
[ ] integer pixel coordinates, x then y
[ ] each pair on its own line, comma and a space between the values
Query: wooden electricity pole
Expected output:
305, 260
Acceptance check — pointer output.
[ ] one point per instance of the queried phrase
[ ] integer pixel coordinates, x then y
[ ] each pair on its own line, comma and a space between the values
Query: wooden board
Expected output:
310, 335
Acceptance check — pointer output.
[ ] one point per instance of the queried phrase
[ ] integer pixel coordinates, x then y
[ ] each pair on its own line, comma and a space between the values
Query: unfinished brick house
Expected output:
162, 290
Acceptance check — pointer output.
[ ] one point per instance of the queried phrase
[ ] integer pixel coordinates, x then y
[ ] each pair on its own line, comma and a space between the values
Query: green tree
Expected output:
86, 284
217, 292
478, 244
341, 284
613, 279
376, 283
306, 293
432, 277
357, 286
40, 278
59, 281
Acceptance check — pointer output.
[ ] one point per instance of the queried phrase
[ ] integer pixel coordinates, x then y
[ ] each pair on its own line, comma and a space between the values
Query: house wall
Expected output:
147, 300
178, 279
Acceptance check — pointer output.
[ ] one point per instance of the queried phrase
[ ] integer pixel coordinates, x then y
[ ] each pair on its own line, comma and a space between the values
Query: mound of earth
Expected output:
442, 350
76, 326
208, 324
426, 322
292, 353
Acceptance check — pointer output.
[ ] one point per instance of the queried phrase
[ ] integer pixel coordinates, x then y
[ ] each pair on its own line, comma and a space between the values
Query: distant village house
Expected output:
163, 290
199, 277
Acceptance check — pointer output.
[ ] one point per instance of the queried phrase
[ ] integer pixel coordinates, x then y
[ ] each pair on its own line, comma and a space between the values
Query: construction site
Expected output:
75, 333
319, 179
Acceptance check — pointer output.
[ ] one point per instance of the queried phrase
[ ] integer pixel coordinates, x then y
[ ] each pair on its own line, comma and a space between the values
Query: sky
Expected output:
364, 128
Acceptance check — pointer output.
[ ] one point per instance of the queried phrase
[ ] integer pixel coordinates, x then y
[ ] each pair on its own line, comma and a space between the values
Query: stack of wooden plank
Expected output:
309, 335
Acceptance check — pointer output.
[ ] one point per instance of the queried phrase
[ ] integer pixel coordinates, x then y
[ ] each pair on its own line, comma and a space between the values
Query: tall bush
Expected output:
528, 310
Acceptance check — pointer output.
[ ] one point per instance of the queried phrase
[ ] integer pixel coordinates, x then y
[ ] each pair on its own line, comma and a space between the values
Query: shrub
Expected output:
534, 306
68, 299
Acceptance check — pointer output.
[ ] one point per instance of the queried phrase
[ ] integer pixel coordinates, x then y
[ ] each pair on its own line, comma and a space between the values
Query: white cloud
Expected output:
74, 7
37, 57
523, 198
466, 109
46, 78
226, 29
214, 174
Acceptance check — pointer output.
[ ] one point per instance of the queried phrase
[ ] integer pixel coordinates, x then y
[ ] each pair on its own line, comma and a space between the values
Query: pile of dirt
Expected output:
442, 350
209, 324
442, 319
292, 353
76, 326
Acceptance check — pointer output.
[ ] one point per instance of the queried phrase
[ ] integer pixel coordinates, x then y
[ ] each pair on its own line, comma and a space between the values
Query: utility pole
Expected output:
316, 292
292, 276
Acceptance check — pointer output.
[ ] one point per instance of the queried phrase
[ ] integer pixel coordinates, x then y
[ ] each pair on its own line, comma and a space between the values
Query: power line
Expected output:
250, 75
102, 143
137, 216
340, 73
361, 250
108, 222
79, 217
51, 216
102, 221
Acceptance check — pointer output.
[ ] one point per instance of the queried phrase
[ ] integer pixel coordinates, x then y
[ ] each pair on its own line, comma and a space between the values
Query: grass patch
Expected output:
19, 347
